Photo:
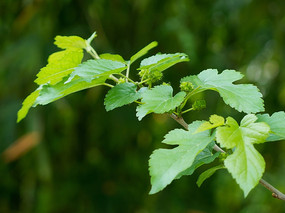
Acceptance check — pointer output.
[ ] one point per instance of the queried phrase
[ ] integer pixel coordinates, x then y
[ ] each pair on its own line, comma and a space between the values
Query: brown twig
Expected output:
275, 192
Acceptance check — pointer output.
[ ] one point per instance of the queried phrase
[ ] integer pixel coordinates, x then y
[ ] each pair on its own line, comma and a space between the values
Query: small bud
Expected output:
222, 157
143, 73
155, 76
199, 105
121, 80
186, 86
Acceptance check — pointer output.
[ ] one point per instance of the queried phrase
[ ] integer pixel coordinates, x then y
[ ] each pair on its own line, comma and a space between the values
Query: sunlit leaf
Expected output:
50, 93
60, 64
112, 57
277, 125
166, 164
246, 164
27, 104
66, 42
92, 69
162, 62
159, 100
213, 122
243, 97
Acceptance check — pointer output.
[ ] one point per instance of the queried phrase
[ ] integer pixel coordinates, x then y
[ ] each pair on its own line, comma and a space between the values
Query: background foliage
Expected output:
89, 160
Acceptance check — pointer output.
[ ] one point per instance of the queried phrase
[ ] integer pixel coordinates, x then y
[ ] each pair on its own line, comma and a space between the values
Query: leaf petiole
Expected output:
188, 110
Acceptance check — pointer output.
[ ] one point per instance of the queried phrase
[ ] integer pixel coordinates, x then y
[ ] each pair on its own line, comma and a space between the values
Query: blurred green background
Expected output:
89, 160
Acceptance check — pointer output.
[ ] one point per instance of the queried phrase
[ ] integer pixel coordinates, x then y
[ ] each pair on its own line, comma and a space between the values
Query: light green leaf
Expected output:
243, 97
246, 164
112, 57
159, 100
277, 125
143, 51
27, 104
60, 64
92, 69
120, 95
213, 122
208, 173
66, 42
204, 157
166, 164
50, 93
162, 62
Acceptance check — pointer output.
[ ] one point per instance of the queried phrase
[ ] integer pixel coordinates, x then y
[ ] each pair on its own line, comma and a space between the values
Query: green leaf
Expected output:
208, 173
50, 93
113, 57
204, 157
159, 100
66, 42
243, 97
120, 95
161, 62
143, 51
60, 64
213, 122
246, 164
27, 104
276, 123
92, 69
166, 164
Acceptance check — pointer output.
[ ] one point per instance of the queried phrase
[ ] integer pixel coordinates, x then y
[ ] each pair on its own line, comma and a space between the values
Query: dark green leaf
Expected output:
208, 173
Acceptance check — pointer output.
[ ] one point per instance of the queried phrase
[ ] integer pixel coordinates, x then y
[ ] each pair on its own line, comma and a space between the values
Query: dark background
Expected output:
89, 160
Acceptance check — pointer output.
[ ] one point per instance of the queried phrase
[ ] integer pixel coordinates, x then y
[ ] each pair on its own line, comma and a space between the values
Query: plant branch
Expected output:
275, 192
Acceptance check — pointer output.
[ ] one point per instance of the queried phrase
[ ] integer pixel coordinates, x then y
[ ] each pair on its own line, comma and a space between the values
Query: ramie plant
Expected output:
200, 141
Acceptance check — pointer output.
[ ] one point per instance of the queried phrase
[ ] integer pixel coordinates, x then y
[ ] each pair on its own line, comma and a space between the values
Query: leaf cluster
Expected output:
65, 74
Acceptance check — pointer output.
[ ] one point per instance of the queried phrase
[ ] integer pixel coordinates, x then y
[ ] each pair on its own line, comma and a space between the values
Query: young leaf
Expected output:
204, 157
27, 104
246, 164
166, 164
50, 93
66, 42
277, 125
159, 100
113, 57
92, 69
60, 64
208, 173
213, 122
143, 51
243, 97
120, 95
161, 62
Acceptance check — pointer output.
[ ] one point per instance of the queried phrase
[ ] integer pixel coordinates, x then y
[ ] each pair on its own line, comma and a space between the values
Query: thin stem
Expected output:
188, 110
275, 192
113, 78
138, 102
128, 72
144, 81
188, 96
108, 85
92, 52
127, 78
